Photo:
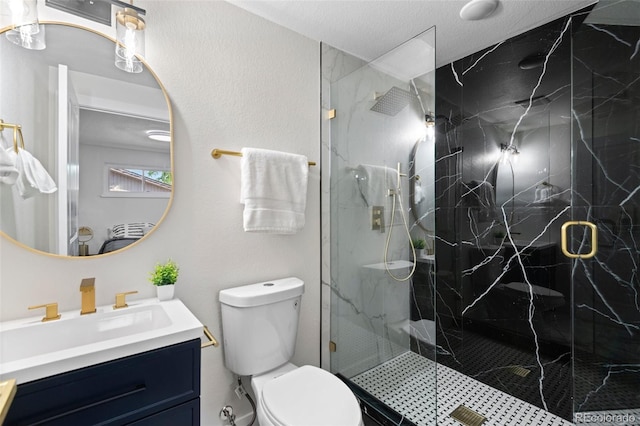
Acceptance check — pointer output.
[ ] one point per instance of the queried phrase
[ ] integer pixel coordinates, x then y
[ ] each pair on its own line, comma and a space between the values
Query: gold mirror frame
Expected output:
171, 153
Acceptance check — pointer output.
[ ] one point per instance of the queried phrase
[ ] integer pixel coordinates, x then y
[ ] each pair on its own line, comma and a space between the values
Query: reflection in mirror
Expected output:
422, 186
102, 134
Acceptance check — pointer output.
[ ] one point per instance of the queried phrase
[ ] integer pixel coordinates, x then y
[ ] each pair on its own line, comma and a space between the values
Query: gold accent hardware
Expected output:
518, 370
564, 241
7, 392
17, 133
51, 312
217, 153
377, 218
467, 416
88, 290
332, 346
212, 340
331, 114
129, 18
121, 299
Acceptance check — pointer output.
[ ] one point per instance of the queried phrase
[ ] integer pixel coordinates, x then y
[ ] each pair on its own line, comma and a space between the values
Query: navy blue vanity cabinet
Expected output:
159, 387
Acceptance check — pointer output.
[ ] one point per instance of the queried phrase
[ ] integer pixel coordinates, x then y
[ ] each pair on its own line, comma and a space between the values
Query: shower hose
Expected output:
396, 194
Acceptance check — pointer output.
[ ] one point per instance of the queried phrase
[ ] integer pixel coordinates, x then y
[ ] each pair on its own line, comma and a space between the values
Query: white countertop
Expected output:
31, 349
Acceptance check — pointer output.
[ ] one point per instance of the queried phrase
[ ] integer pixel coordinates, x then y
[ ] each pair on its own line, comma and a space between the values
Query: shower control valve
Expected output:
377, 218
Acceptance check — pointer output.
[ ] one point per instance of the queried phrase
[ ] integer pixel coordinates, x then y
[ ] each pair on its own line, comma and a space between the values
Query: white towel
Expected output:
374, 183
8, 171
32, 176
274, 191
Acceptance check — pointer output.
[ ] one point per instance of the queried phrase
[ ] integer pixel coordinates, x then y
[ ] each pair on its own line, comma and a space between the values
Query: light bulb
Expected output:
130, 40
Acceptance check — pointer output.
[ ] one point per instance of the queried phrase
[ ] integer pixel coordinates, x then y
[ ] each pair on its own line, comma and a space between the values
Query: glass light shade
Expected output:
130, 40
26, 31
30, 36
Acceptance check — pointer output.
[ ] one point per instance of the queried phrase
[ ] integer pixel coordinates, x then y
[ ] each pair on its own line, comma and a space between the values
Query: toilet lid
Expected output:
537, 290
310, 396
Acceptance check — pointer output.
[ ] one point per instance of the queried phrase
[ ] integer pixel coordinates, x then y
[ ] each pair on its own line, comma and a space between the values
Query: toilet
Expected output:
259, 325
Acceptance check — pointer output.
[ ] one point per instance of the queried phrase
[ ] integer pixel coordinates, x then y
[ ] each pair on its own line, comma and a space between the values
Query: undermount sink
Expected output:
31, 349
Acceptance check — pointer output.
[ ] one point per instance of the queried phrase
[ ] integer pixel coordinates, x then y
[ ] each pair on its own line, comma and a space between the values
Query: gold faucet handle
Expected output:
51, 311
121, 299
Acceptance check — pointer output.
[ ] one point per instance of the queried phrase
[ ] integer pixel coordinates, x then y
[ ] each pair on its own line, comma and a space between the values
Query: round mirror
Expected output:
97, 146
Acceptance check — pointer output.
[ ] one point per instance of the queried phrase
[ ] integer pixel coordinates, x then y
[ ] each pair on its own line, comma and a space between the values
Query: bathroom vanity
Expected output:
158, 387
137, 365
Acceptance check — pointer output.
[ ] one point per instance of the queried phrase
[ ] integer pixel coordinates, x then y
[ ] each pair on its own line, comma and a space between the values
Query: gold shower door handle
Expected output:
594, 239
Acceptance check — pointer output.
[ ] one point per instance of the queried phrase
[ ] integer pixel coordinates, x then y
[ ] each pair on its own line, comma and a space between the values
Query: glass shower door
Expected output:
606, 183
373, 130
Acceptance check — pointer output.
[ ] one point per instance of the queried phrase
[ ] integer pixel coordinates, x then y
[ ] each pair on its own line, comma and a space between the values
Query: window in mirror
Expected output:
123, 181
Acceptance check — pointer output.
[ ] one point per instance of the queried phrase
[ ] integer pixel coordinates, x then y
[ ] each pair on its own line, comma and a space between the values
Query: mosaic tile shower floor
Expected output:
412, 384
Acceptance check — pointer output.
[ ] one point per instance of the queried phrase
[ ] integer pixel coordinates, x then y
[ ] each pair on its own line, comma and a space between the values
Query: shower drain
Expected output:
518, 370
467, 416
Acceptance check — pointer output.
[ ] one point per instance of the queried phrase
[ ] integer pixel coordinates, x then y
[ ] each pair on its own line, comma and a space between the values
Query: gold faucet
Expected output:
88, 290
121, 301
51, 312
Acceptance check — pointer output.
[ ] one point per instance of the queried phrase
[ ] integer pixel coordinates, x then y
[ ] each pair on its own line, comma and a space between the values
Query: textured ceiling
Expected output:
368, 29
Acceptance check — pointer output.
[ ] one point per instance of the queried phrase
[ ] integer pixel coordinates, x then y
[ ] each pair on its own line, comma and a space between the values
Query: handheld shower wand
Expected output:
395, 192
400, 174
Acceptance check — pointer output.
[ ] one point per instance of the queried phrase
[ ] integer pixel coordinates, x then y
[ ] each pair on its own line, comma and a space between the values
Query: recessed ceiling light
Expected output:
478, 9
159, 135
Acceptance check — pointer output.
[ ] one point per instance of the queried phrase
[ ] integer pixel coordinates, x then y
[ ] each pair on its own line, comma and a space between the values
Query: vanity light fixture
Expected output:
159, 135
476, 10
129, 39
26, 31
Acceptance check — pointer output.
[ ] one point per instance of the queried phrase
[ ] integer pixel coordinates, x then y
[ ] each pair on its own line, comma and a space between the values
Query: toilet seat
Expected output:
309, 396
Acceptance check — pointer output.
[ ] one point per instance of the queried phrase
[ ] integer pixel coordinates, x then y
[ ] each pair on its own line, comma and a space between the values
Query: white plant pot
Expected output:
165, 292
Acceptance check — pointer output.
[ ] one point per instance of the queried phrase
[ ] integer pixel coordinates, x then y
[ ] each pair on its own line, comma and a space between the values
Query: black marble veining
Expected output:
531, 133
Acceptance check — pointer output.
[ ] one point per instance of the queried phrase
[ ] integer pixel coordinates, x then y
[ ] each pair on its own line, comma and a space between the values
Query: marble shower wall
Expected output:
514, 162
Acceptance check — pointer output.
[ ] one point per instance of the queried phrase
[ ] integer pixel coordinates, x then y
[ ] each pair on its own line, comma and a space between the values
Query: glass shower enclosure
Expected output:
526, 193
378, 161
537, 226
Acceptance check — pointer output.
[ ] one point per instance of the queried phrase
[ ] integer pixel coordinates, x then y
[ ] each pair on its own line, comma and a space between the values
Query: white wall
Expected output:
234, 80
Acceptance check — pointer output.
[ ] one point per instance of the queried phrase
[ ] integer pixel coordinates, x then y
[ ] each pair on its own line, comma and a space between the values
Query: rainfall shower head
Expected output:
392, 102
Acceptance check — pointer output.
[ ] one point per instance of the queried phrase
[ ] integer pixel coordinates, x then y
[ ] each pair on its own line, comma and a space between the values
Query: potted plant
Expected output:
164, 277
419, 244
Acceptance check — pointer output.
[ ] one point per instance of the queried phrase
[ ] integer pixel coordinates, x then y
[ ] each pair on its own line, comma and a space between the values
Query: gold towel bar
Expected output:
212, 340
17, 132
217, 153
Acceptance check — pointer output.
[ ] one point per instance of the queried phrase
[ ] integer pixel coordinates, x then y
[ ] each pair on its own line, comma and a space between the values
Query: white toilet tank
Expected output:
260, 324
